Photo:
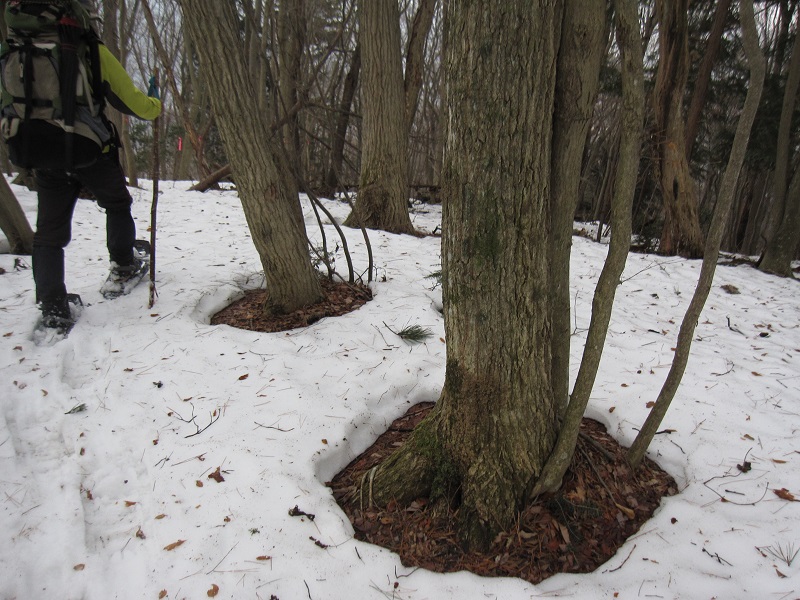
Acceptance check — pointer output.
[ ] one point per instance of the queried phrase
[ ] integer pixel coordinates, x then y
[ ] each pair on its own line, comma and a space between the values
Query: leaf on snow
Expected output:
162, 594
79, 567
213, 591
243, 377
217, 476
129, 503
173, 545
785, 494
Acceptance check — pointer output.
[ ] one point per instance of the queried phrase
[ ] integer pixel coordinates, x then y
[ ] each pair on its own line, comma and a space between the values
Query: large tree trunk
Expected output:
579, 61
681, 233
496, 420
267, 189
382, 201
13, 222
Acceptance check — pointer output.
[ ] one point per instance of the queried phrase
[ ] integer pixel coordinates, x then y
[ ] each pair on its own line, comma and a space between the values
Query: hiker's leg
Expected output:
58, 193
106, 181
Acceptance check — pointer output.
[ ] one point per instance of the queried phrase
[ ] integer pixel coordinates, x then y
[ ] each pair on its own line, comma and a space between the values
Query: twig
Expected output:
223, 559
718, 558
275, 428
622, 564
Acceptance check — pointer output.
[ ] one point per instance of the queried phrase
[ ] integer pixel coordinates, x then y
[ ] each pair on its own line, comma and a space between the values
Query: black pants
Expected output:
58, 193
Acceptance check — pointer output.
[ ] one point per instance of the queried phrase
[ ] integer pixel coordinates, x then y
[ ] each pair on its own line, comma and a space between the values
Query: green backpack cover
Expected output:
52, 114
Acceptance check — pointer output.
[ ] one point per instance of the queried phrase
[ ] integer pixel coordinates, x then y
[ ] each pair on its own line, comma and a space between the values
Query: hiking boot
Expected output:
60, 313
122, 278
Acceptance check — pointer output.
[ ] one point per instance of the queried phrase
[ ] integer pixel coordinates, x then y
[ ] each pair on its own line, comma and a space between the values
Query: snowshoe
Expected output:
123, 278
57, 320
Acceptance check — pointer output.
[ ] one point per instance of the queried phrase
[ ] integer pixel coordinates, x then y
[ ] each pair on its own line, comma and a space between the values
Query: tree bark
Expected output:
291, 42
704, 74
415, 58
681, 233
333, 177
268, 192
629, 41
496, 420
13, 222
382, 201
781, 240
579, 59
757, 64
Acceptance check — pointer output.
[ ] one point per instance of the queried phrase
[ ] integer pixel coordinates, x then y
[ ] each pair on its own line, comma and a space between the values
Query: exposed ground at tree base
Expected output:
247, 312
601, 504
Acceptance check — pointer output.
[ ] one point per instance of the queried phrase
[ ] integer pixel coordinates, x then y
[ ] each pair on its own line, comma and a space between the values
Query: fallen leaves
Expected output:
173, 545
785, 494
213, 591
217, 476
79, 567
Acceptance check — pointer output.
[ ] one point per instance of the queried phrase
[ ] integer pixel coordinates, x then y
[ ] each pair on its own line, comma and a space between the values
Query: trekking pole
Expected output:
153, 91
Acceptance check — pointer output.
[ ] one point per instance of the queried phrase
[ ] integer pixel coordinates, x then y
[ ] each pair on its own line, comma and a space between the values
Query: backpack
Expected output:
52, 114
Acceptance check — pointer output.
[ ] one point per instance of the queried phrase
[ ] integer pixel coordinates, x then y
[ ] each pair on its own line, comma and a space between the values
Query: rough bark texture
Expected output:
13, 222
496, 420
268, 193
382, 201
757, 64
629, 41
681, 233
579, 60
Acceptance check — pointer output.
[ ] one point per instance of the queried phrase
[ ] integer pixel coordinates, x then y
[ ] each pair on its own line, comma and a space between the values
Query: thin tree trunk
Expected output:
704, 74
415, 58
632, 119
333, 177
13, 222
757, 64
188, 125
579, 60
291, 42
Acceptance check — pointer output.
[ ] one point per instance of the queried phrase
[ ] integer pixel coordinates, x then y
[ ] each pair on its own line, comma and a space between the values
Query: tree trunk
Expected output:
496, 420
757, 64
291, 42
704, 74
681, 233
164, 57
629, 41
267, 189
382, 201
780, 249
333, 177
13, 222
415, 55
579, 59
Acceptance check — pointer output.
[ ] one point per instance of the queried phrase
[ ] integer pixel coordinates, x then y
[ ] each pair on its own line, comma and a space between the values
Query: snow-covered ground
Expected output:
117, 500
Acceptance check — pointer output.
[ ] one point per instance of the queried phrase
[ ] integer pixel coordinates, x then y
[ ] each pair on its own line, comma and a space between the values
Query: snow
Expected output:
91, 501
